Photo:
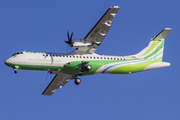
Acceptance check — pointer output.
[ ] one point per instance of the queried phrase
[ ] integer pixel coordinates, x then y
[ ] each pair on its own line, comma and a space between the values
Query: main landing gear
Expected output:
77, 81
84, 68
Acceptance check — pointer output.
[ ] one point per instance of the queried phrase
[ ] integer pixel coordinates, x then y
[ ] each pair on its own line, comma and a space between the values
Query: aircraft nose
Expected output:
7, 61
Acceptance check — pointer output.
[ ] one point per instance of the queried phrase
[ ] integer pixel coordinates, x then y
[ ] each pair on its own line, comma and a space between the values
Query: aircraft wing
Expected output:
59, 80
100, 30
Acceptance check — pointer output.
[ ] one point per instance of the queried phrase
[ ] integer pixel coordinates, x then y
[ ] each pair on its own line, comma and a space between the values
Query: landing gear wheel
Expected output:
88, 67
15, 71
77, 81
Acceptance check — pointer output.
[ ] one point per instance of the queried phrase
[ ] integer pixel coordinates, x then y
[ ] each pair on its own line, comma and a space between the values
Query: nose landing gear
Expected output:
15, 70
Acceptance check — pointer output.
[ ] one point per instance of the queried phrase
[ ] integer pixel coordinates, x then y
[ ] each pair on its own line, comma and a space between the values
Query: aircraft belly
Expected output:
157, 65
133, 67
125, 67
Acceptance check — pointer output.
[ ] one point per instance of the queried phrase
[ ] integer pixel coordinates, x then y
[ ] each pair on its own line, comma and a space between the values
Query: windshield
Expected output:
17, 53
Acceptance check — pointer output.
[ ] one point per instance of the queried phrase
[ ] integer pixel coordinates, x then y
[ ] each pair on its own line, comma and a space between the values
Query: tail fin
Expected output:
154, 51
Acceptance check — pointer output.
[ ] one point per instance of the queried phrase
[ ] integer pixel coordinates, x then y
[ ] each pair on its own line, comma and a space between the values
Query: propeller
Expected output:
69, 42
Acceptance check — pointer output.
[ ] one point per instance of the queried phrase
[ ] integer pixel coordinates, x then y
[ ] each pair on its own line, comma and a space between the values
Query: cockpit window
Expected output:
17, 53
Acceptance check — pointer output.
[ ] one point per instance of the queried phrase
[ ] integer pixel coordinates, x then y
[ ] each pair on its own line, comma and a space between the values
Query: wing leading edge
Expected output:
59, 80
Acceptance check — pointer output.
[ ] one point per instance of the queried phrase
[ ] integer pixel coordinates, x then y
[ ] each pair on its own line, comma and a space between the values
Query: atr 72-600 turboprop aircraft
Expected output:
83, 60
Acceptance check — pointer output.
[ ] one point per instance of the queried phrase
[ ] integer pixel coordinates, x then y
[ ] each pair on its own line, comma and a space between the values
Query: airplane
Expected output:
84, 61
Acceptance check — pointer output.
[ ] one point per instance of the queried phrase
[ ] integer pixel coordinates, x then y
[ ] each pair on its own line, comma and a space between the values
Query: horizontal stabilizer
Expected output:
163, 34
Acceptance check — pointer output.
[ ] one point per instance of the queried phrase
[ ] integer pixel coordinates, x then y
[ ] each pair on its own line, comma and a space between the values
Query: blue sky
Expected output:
42, 26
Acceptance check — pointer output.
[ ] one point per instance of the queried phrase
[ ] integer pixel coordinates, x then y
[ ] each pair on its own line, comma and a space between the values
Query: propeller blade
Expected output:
71, 36
49, 72
68, 34
47, 75
67, 48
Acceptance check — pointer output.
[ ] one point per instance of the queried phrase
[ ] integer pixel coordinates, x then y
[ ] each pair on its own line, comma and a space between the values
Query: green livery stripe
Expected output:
154, 44
121, 70
159, 59
73, 68
132, 68
153, 53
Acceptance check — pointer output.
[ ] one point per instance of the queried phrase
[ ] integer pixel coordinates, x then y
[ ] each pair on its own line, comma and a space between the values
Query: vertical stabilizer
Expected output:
154, 51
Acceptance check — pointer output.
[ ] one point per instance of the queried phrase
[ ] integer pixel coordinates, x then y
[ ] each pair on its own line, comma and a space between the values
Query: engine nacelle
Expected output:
80, 43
